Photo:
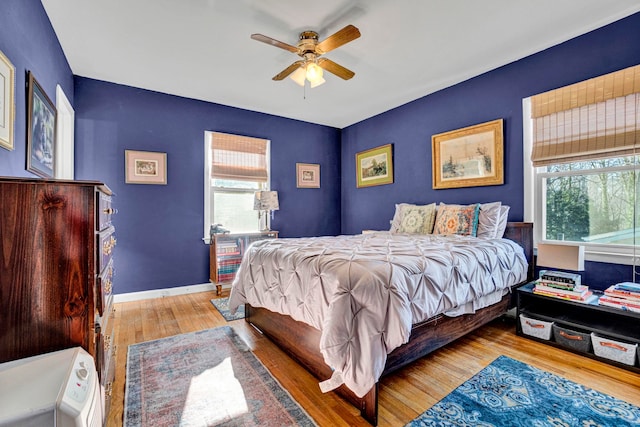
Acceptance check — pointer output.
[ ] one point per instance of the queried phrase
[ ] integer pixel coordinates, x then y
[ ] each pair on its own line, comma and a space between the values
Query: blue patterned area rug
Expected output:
205, 378
222, 304
512, 393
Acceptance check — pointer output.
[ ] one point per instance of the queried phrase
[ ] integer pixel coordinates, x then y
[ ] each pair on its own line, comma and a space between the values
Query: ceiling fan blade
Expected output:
336, 40
273, 42
290, 69
336, 69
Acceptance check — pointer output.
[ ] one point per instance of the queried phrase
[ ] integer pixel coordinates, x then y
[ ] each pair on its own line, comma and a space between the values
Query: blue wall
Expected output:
493, 95
28, 40
160, 227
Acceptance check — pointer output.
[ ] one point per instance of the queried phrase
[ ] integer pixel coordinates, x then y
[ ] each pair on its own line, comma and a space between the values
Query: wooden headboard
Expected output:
522, 234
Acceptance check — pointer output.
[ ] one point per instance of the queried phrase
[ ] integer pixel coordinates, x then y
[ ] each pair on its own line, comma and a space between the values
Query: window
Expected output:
235, 168
584, 142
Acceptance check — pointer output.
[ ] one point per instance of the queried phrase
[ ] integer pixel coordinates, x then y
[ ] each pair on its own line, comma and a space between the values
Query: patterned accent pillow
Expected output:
456, 219
397, 217
417, 219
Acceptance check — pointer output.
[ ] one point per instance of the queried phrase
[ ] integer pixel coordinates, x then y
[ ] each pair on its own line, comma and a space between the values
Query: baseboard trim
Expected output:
161, 293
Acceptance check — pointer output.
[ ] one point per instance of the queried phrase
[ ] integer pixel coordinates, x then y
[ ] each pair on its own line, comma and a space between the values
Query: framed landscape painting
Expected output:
145, 167
308, 175
374, 166
41, 131
468, 157
7, 101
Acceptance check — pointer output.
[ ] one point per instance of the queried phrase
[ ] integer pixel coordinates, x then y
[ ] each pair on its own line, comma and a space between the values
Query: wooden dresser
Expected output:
56, 271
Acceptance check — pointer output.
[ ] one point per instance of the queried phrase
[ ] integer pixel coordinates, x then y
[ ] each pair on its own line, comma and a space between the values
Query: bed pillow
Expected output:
457, 219
397, 217
504, 216
417, 219
424, 211
489, 220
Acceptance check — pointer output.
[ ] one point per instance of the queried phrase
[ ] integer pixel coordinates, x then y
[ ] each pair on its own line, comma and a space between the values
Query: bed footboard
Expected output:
302, 343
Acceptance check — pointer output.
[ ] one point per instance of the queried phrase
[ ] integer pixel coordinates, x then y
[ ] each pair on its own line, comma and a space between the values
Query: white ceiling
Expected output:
201, 49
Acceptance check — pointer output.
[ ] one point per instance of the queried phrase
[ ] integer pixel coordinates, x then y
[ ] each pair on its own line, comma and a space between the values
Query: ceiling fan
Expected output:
310, 50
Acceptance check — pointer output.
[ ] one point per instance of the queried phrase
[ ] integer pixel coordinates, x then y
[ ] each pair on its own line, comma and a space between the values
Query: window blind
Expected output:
596, 118
237, 157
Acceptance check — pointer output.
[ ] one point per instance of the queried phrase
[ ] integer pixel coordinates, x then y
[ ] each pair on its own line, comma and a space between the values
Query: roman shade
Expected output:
592, 119
236, 157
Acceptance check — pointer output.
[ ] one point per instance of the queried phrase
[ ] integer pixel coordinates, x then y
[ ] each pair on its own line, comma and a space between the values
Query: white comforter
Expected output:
365, 291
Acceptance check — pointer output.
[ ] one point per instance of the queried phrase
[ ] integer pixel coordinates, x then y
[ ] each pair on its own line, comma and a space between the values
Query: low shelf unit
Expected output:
226, 252
618, 327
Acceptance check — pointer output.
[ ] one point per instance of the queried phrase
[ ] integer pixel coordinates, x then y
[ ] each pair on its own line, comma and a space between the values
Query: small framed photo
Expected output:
41, 131
308, 175
7, 101
374, 166
468, 157
145, 167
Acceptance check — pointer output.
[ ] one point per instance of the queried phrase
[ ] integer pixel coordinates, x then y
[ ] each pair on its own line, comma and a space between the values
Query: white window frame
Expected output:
65, 136
534, 206
209, 190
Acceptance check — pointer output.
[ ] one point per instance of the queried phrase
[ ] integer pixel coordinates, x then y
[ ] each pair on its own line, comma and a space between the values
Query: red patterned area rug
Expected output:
205, 378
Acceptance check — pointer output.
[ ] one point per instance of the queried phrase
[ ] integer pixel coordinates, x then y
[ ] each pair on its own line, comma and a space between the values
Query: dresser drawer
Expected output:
104, 212
105, 288
105, 344
106, 245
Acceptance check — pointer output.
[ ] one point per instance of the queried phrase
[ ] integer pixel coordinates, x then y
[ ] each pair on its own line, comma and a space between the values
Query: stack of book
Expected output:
625, 296
558, 284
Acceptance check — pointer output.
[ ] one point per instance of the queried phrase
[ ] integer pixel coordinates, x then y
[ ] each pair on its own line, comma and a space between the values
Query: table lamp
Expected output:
562, 257
265, 201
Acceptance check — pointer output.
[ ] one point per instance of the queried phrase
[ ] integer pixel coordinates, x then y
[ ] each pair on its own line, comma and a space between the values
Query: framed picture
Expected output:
468, 157
374, 167
41, 131
7, 101
145, 167
308, 175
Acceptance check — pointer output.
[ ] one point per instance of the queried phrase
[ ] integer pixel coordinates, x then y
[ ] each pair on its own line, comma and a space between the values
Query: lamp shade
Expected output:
266, 201
562, 257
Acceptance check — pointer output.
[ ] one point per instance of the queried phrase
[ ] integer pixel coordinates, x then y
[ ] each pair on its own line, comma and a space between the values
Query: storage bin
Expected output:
535, 327
614, 350
572, 339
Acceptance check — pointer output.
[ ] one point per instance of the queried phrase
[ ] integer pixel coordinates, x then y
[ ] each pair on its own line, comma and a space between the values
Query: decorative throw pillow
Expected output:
397, 217
417, 219
488, 220
456, 219
504, 216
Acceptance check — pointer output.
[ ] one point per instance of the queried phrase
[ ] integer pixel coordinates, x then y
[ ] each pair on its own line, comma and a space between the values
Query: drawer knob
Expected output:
110, 211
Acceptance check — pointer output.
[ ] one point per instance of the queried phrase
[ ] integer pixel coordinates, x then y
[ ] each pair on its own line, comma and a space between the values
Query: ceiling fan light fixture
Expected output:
299, 76
314, 73
318, 82
311, 72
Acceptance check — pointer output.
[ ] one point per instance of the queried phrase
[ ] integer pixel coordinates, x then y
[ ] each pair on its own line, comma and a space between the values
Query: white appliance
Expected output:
55, 389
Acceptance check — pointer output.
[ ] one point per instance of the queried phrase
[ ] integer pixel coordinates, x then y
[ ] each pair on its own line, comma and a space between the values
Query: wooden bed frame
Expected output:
302, 342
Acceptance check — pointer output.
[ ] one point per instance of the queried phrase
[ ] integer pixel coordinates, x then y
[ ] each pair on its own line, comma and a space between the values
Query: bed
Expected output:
351, 351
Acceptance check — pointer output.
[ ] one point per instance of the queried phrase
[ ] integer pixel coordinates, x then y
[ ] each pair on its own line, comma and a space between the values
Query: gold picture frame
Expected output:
374, 166
468, 157
7, 102
307, 175
145, 167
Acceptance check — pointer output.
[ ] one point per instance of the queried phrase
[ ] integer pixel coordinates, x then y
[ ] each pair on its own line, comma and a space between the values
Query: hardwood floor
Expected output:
403, 395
